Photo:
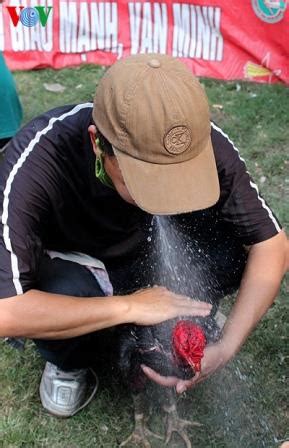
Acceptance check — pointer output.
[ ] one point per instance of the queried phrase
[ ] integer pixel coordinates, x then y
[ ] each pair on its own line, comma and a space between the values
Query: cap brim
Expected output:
173, 188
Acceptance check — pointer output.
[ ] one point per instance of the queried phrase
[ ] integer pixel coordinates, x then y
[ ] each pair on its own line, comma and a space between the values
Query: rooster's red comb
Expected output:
189, 341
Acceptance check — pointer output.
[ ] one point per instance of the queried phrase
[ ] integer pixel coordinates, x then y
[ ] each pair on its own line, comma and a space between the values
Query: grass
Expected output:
245, 405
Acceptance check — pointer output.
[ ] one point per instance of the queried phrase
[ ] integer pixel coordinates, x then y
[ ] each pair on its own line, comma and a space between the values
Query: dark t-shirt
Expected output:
50, 199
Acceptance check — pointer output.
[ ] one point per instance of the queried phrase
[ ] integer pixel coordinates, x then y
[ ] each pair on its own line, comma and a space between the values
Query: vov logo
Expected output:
29, 16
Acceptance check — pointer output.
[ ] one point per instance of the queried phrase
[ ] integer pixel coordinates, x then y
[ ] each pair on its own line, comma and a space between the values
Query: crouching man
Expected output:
79, 186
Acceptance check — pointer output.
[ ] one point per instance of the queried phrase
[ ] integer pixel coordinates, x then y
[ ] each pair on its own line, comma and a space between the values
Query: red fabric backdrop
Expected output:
216, 38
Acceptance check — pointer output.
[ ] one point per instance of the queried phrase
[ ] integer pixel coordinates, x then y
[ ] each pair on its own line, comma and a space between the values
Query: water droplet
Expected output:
149, 238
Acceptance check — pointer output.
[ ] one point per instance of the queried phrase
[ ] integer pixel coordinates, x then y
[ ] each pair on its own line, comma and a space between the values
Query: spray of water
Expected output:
184, 265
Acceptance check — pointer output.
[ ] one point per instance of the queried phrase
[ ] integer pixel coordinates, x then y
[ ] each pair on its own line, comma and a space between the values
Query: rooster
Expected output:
172, 348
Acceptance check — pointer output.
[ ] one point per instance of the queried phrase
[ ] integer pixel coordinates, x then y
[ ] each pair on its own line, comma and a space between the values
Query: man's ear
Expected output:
93, 135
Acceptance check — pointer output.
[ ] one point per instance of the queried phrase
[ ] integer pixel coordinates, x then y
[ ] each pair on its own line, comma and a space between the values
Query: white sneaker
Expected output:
64, 393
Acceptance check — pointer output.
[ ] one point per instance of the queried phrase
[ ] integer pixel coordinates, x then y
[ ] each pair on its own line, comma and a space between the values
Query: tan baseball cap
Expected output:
155, 114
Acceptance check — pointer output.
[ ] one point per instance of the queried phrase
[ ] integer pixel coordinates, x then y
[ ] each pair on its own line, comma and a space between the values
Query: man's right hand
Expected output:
154, 305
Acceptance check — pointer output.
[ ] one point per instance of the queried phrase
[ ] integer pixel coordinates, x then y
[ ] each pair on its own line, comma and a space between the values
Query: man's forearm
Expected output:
43, 315
259, 287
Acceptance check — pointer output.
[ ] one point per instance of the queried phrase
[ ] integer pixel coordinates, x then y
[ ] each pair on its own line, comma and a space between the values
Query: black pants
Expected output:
68, 278
65, 277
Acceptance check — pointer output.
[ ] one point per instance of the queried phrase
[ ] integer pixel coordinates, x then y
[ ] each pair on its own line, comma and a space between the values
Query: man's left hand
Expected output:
215, 357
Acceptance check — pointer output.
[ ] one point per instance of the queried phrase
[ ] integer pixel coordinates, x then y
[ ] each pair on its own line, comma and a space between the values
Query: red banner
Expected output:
216, 38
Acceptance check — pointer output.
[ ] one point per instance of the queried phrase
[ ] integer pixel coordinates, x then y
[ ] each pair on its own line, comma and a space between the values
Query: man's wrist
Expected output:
228, 348
123, 309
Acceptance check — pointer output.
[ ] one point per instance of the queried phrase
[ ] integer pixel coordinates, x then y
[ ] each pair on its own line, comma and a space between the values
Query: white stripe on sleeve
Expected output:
253, 185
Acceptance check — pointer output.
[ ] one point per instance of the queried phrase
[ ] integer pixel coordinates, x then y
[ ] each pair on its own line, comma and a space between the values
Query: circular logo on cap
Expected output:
177, 140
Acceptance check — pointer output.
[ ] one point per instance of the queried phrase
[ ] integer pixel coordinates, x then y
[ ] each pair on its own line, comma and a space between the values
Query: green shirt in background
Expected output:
10, 107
